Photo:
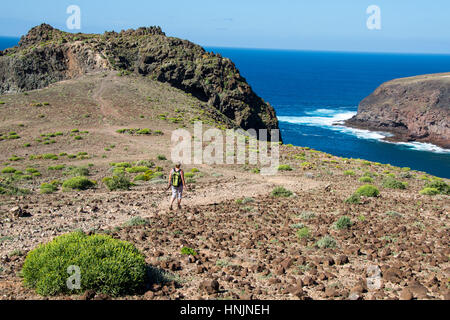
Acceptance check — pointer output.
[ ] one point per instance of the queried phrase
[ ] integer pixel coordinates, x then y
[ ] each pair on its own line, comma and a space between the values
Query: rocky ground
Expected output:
247, 241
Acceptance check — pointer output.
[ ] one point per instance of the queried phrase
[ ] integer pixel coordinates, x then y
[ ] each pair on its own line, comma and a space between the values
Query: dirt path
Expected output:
106, 109
231, 186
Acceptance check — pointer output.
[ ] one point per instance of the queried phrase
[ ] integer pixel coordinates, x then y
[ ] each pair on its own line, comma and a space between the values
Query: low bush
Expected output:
78, 183
439, 185
366, 179
188, 251
107, 265
429, 192
284, 167
391, 183
368, 191
353, 199
137, 169
47, 188
281, 192
303, 233
117, 182
136, 221
326, 242
343, 222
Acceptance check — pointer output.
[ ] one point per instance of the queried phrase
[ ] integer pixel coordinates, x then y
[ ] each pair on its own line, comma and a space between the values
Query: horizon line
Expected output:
305, 50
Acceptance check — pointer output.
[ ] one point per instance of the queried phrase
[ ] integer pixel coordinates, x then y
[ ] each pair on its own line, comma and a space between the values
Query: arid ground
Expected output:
254, 244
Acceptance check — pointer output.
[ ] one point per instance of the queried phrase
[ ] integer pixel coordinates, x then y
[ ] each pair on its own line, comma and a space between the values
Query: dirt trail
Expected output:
106, 109
231, 186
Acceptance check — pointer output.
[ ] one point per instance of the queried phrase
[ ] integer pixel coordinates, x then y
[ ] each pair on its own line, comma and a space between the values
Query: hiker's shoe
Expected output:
170, 208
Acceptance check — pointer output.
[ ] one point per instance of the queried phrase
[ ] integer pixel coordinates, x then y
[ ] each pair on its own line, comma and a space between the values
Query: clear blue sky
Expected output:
407, 25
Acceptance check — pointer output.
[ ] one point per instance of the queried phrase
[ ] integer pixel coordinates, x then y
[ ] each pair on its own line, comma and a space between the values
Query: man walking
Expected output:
176, 181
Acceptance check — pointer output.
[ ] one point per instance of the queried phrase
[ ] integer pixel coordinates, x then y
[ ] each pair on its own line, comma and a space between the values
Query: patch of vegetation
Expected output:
284, 167
439, 185
391, 183
137, 169
393, 214
429, 191
161, 157
78, 183
8, 170
349, 173
58, 167
136, 221
119, 265
307, 215
353, 199
343, 222
47, 188
117, 182
366, 179
326, 242
368, 190
188, 251
303, 233
281, 192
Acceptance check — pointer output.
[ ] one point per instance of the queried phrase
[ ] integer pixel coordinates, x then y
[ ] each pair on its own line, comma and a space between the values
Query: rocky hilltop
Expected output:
47, 55
413, 109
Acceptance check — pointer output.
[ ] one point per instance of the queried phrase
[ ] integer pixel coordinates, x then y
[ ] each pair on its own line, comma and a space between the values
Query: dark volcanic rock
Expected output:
414, 109
47, 55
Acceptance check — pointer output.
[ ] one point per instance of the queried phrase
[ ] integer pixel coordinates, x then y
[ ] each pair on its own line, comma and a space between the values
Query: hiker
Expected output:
176, 181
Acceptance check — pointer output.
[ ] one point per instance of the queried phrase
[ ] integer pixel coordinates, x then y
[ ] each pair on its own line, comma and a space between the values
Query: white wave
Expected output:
423, 146
333, 119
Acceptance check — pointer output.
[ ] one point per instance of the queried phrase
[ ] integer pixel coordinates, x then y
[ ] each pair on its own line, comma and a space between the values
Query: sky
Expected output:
413, 26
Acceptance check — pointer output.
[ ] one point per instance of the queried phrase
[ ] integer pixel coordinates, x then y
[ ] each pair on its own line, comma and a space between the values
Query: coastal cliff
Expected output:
47, 55
413, 109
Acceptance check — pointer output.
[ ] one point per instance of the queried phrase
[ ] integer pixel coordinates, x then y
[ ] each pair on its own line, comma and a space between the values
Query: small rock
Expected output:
88, 295
341, 260
210, 287
406, 294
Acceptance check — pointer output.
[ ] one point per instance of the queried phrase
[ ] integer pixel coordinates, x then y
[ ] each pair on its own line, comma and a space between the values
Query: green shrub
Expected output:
50, 156
189, 175
307, 215
137, 169
78, 171
78, 183
136, 221
281, 192
107, 265
440, 185
284, 167
391, 183
368, 191
142, 177
161, 157
47, 188
393, 214
353, 199
195, 170
366, 179
343, 222
188, 251
121, 165
349, 173
303, 233
117, 182
429, 191
8, 170
326, 242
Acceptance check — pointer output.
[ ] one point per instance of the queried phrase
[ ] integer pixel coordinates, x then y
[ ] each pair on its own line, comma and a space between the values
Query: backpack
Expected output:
176, 178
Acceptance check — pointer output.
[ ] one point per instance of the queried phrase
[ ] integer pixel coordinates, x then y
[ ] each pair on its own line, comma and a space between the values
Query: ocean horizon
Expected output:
313, 92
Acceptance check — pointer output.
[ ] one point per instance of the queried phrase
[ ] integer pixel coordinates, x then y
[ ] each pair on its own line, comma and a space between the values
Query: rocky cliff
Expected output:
47, 55
413, 109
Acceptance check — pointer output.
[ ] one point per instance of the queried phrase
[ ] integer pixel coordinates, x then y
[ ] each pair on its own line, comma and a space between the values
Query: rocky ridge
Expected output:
47, 55
413, 109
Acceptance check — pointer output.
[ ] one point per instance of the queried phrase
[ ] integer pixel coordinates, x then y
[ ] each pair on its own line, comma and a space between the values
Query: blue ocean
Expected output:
312, 91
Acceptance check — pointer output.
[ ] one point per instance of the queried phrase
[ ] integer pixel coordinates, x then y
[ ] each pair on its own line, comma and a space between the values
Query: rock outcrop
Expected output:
413, 109
47, 55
